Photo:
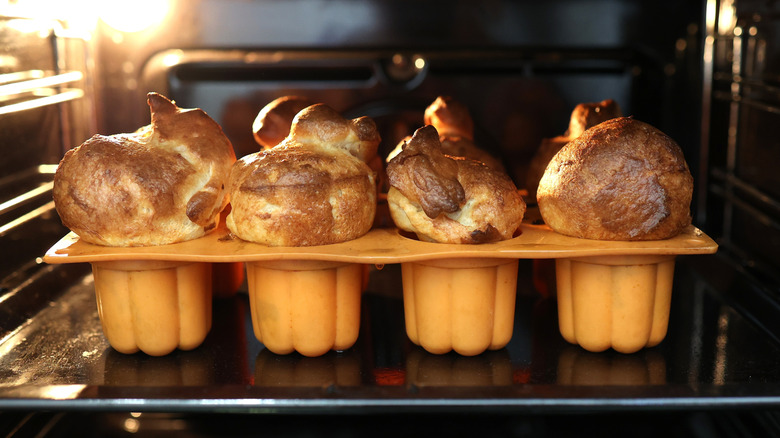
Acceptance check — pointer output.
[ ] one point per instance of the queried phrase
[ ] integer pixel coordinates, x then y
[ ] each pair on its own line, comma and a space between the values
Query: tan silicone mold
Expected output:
465, 304
153, 306
310, 307
618, 302
386, 246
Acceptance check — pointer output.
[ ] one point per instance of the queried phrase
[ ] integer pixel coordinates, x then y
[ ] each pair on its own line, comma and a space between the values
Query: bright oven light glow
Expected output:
132, 16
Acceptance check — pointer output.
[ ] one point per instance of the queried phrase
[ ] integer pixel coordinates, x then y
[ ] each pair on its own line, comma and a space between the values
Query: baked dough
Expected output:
455, 126
620, 180
450, 199
162, 184
314, 188
449, 117
584, 116
272, 124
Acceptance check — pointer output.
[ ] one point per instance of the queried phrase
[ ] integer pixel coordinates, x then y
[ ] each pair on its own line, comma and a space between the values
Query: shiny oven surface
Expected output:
712, 358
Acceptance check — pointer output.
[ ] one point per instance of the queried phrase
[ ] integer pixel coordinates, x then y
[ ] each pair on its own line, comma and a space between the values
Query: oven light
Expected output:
727, 17
42, 27
173, 58
131, 425
419, 63
42, 16
62, 392
132, 16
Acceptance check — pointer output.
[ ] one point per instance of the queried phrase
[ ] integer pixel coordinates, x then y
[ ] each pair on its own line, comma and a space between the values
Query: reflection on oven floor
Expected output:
61, 355
136, 424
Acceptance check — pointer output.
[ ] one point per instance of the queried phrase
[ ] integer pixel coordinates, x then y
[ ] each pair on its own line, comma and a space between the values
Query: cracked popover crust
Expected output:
620, 180
162, 184
584, 116
313, 188
450, 199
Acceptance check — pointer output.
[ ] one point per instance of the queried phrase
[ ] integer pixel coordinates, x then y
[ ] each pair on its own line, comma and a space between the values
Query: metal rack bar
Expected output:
36, 88
40, 192
67, 95
747, 188
27, 217
10, 88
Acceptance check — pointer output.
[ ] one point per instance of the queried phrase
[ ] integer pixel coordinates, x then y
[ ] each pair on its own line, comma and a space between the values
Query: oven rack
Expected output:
712, 358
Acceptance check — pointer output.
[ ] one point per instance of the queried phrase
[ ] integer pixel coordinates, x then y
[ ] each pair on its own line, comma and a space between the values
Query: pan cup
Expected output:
618, 302
465, 305
153, 306
310, 307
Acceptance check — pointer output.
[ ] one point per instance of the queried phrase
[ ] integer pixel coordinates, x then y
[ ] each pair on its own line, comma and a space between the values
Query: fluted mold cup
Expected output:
310, 307
153, 306
465, 305
619, 302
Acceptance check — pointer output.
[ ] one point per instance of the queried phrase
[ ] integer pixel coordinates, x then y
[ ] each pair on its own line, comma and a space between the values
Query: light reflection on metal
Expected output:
710, 15
41, 26
34, 88
27, 217
133, 16
131, 425
727, 17
71, 94
419, 63
734, 117
721, 343
707, 72
172, 58
62, 392
17, 83
25, 197
406, 68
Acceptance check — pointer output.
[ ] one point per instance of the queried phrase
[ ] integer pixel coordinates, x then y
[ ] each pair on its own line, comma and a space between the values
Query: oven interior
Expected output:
703, 72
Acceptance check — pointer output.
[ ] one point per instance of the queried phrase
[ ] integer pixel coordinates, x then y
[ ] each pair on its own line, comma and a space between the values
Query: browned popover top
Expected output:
313, 188
588, 115
272, 123
450, 199
455, 126
584, 116
620, 180
449, 117
319, 125
162, 184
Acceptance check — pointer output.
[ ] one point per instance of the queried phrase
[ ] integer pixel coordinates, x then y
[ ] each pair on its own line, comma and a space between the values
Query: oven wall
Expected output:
46, 107
740, 145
